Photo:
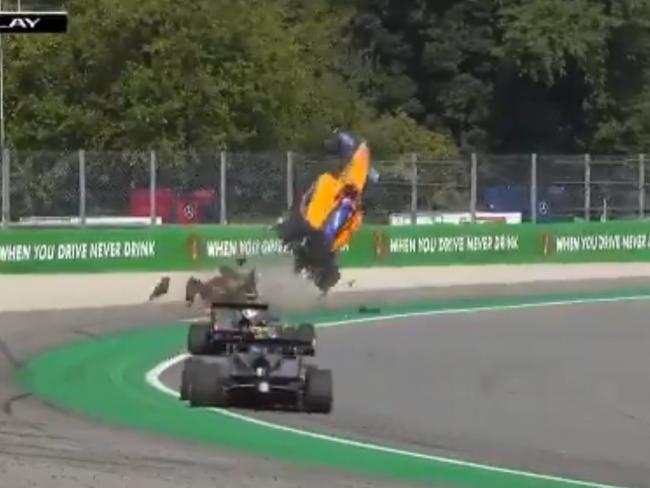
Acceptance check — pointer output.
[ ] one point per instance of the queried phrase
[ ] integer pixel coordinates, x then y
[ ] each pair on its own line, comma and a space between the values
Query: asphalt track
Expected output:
562, 390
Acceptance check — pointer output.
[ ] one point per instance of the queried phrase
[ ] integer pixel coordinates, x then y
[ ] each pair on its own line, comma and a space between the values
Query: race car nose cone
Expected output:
263, 387
259, 372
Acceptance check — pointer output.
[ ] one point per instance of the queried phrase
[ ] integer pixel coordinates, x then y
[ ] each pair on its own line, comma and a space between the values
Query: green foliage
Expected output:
494, 75
544, 37
434, 62
433, 77
511, 75
139, 73
399, 134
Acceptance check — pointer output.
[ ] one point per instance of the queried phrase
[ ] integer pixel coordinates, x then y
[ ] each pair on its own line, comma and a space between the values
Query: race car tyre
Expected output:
293, 228
288, 333
306, 333
318, 390
198, 339
319, 250
186, 379
208, 386
183, 394
326, 277
300, 261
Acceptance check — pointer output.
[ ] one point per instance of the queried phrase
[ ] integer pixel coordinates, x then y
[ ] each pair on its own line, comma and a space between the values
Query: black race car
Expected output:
231, 322
255, 371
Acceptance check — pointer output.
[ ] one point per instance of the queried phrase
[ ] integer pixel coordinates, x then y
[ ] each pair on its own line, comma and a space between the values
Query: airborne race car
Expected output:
324, 221
262, 363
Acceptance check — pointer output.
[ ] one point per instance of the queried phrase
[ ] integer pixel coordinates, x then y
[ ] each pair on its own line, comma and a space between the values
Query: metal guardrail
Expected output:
219, 187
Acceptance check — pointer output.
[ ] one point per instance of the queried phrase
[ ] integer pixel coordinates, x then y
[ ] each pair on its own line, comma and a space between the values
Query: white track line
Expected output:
153, 379
451, 311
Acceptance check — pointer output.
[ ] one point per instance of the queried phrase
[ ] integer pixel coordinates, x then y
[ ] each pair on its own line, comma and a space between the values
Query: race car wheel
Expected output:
293, 228
299, 260
288, 333
198, 338
318, 390
208, 386
326, 277
186, 378
306, 333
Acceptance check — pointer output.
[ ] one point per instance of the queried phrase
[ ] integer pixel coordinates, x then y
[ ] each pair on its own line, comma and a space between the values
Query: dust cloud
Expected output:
284, 290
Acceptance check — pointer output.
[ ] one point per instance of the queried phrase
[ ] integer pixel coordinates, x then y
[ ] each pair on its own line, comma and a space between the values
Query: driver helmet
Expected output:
250, 313
344, 143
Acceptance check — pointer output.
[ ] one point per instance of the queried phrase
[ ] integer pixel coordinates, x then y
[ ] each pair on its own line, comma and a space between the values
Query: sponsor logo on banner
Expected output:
234, 248
382, 246
567, 244
77, 251
189, 211
548, 244
194, 246
451, 244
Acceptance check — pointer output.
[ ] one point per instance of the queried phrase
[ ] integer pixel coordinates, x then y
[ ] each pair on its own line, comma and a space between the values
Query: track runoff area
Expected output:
509, 393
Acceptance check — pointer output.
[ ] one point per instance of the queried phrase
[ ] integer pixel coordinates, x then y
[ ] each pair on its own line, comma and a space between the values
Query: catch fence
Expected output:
210, 187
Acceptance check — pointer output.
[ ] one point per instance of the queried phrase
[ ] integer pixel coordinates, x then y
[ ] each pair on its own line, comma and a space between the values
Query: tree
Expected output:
585, 62
137, 73
511, 75
182, 78
399, 134
435, 60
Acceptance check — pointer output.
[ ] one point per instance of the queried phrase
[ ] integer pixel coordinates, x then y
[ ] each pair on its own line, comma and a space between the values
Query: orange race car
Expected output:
328, 214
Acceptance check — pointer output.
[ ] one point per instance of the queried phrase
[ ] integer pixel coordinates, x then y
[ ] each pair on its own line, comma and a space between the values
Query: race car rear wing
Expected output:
262, 341
237, 339
240, 305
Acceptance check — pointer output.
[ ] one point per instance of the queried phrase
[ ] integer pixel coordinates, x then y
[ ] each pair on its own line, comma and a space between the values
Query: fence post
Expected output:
222, 188
641, 186
533, 188
82, 187
153, 169
290, 179
414, 188
587, 187
473, 187
6, 189
587, 184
